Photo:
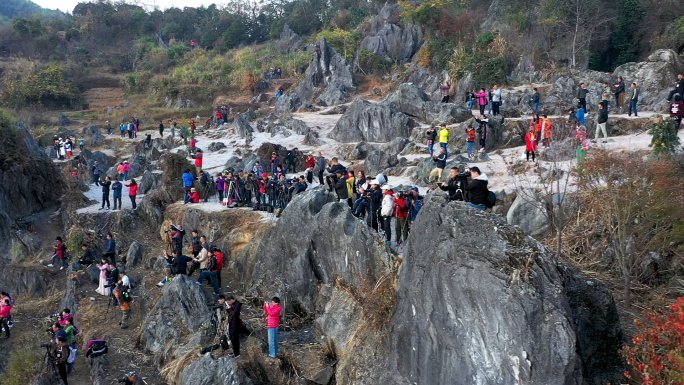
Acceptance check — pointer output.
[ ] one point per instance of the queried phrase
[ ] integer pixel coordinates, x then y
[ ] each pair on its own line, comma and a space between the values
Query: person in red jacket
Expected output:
193, 197
272, 323
198, 159
132, 191
5, 314
60, 253
401, 211
219, 264
193, 127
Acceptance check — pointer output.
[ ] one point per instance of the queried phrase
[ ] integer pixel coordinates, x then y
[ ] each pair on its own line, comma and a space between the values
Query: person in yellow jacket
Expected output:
443, 135
350, 187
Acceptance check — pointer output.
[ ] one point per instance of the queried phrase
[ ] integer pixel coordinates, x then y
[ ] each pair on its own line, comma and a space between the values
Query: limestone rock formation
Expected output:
210, 371
529, 213
329, 78
390, 40
332, 245
289, 39
372, 122
414, 102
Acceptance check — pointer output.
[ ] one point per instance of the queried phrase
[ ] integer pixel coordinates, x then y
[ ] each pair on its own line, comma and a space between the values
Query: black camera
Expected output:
45, 345
110, 285
124, 380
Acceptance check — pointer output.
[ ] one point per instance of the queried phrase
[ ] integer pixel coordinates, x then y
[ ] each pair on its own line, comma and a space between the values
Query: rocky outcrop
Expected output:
289, 39
337, 247
242, 126
287, 103
372, 122
329, 78
387, 38
476, 293
181, 309
29, 183
414, 102
210, 371
529, 212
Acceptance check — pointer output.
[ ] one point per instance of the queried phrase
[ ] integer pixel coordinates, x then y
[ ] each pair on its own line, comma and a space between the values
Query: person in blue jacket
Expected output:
188, 182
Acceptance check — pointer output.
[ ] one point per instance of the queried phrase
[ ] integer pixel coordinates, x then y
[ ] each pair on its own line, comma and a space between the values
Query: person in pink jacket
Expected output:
482, 100
272, 323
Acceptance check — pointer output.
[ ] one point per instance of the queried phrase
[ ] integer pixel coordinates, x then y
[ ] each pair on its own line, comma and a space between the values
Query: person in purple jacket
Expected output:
220, 186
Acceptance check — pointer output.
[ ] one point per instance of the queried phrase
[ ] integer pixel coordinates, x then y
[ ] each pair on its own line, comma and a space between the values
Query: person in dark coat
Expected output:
477, 188
340, 186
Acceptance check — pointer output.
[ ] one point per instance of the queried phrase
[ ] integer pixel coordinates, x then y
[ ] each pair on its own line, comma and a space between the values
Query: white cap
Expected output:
386, 187
374, 181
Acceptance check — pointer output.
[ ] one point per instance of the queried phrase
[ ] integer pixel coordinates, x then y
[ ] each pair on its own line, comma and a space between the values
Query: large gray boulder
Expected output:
654, 76
135, 255
242, 126
288, 103
337, 247
181, 309
530, 213
387, 38
475, 294
414, 102
372, 122
210, 371
329, 76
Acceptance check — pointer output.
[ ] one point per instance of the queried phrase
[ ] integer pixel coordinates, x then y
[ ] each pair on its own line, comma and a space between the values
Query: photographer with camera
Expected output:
416, 203
361, 204
339, 184
477, 188
233, 308
177, 264
301, 185
176, 234
374, 195
132, 379
62, 352
455, 186
386, 211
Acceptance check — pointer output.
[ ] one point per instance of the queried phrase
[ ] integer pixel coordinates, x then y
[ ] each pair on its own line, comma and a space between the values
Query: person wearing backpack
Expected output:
210, 270
123, 296
60, 253
71, 331
477, 188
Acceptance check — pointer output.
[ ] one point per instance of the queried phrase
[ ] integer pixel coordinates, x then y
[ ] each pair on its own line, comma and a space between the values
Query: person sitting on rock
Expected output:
88, 257
679, 88
301, 185
177, 264
210, 271
193, 197
454, 186
477, 188
677, 110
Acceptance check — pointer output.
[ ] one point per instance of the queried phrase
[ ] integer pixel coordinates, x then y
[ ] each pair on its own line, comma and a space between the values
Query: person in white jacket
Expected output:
496, 99
386, 211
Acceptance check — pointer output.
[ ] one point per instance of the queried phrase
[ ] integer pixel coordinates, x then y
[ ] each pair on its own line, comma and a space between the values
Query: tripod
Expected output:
49, 361
233, 191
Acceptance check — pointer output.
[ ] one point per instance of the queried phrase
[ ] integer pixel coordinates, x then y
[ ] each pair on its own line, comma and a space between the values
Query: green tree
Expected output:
664, 139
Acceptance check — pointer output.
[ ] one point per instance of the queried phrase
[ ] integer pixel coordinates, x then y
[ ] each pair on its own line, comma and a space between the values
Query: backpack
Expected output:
213, 264
491, 199
126, 295
72, 355
97, 348
76, 331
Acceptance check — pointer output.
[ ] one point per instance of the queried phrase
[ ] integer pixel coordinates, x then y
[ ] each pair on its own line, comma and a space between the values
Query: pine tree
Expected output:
664, 138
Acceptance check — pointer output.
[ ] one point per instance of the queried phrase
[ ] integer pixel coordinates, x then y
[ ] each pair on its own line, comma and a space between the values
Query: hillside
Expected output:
10, 9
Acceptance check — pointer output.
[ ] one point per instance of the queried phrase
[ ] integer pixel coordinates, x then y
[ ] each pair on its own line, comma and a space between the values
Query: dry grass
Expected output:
173, 370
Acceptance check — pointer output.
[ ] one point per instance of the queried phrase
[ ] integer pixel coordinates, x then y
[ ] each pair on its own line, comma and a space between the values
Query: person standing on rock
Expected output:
605, 96
482, 131
321, 167
5, 316
132, 192
122, 130
440, 164
619, 92
530, 144
387, 211
536, 98
104, 268
193, 127
446, 91
105, 192
120, 170
340, 186
81, 144
582, 142
123, 299
580, 115
234, 324
272, 323
444, 139
679, 88
110, 254
109, 128
582, 95
496, 99
482, 100
60, 253
62, 353
310, 165
351, 179
127, 170
470, 140
633, 100
401, 212
601, 122
290, 157
95, 170
117, 188
431, 134
547, 131
275, 162
161, 128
